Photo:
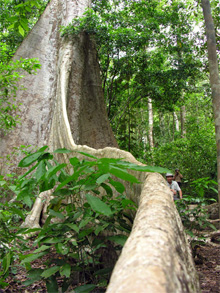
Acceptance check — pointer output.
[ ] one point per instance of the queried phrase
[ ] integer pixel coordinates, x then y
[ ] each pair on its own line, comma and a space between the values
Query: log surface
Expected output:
156, 257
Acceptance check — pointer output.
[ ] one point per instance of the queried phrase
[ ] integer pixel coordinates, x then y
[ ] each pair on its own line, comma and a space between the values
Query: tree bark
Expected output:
214, 79
151, 123
176, 121
156, 257
63, 104
183, 120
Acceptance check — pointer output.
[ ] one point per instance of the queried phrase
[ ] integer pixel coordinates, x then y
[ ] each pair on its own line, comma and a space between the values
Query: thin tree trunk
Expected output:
214, 79
176, 121
151, 123
162, 125
183, 120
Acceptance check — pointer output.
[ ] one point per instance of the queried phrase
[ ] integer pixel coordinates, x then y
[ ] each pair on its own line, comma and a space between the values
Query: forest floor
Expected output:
206, 257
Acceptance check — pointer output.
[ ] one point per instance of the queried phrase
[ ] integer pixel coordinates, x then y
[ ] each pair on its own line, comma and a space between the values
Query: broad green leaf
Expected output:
87, 155
33, 275
43, 148
142, 168
84, 222
21, 30
98, 205
100, 228
117, 185
65, 270
2, 183
74, 161
18, 212
29, 171
64, 191
119, 239
102, 178
31, 257
85, 288
41, 170
54, 170
24, 23
103, 272
107, 188
52, 240
28, 160
6, 262
62, 151
56, 214
51, 284
123, 174
49, 272
84, 233
42, 248
62, 248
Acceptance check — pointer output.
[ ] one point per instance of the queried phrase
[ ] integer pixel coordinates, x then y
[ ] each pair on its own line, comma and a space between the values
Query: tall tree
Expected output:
214, 78
63, 107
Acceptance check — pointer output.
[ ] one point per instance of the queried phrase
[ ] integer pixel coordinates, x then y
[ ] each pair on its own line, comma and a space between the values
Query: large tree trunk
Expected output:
63, 106
214, 79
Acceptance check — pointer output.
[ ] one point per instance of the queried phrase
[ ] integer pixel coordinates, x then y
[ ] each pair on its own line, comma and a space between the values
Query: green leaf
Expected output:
84, 222
102, 178
6, 262
21, 30
33, 275
62, 151
41, 170
117, 185
100, 228
54, 170
74, 161
123, 174
85, 288
103, 272
51, 284
119, 239
49, 272
98, 205
65, 270
52, 240
31, 257
87, 155
62, 248
18, 212
42, 248
107, 189
132, 166
56, 214
30, 159
84, 233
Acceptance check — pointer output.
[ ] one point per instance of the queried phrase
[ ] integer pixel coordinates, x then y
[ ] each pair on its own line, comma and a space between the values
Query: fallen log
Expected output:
156, 257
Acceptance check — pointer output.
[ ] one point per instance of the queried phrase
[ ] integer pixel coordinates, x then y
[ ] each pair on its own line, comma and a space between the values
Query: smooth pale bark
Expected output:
156, 257
183, 120
176, 121
63, 106
151, 123
214, 79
